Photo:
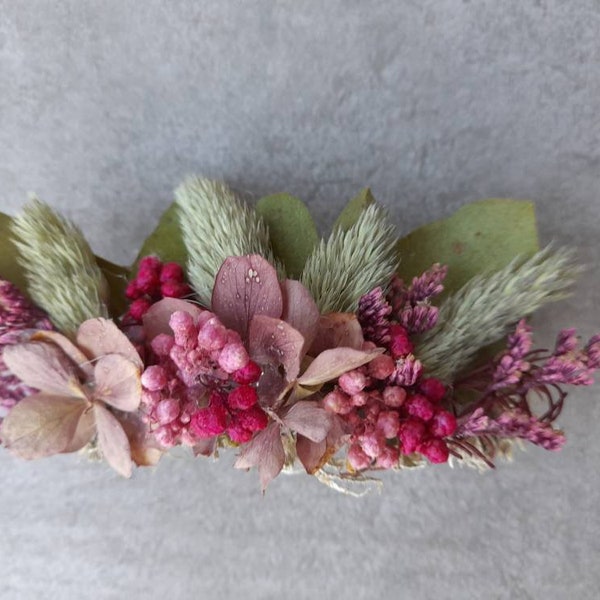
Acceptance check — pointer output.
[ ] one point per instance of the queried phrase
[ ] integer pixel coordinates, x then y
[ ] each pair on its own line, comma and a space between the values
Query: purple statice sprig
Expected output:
506, 386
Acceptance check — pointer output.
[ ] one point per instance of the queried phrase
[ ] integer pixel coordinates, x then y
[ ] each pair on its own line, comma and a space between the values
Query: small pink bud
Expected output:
184, 330
167, 411
209, 422
400, 344
394, 396
357, 459
360, 399
421, 407
171, 271
388, 458
433, 388
352, 382
212, 335
132, 291
147, 282
434, 450
233, 357
443, 424
253, 419
249, 374
162, 344
242, 397
154, 378
372, 444
381, 367
337, 402
239, 434
150, 264
411, 433
138, 308
388, 422
175, 289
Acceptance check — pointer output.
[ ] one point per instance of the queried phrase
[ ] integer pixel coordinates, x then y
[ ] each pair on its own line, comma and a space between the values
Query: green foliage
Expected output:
484, 309
116, 277
292, 230
352, 211
481, 237
10, 269
166, 241
62, 274
351, 263
216, 225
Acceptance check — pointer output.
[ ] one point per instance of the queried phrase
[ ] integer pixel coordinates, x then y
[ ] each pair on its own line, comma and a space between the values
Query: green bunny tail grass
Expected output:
216, 225
61, 270
352, 262
482, 310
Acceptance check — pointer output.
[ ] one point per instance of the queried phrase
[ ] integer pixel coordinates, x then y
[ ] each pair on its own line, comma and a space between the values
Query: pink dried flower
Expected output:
419, 318
373, 316
428, 285
407, 371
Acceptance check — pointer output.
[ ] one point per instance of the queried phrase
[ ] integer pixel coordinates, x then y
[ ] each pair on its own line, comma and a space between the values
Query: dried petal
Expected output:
330, 364
276, 343
264, 451
156, 319
113, 441
117, 382
300, 310
42, 425
335, 330
43, 367
97, 337
308, 419
246, 286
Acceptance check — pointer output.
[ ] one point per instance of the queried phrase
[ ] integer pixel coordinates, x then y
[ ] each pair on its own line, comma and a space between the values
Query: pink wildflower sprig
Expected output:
19, 319
505, 385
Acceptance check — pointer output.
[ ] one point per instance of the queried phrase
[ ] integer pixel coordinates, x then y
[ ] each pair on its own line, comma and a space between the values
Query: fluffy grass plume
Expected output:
62, 274
483, 309
351, 263
215, 225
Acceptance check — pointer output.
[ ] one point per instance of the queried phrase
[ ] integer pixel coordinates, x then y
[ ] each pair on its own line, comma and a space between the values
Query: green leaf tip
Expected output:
10, 269
484, 236
292, 231
166, 241
352, 211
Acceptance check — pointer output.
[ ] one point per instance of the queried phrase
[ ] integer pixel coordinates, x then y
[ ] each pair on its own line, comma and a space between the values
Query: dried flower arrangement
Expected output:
237, 327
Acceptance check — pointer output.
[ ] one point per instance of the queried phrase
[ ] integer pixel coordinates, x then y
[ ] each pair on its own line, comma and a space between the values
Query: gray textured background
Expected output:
106, 105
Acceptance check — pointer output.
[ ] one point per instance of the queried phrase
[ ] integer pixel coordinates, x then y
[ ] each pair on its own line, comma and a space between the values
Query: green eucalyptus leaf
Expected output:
10, 269
116, 276
481, 237
353, 209
166, 240
292, 230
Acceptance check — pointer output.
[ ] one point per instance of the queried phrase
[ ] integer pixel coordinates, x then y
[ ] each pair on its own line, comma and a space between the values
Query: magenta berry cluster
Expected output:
154, 280
201, 360
386, 420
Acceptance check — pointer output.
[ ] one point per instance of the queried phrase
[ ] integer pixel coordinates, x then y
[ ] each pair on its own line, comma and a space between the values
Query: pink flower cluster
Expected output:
154, 280
18, 319
201, 362
387, 419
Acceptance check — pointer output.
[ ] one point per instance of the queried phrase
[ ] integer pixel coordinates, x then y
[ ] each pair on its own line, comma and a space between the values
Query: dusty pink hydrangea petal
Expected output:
204, 447
337, 330
156, 320
43, 367
330, 364
97, 337
113, 441
117, 382
310, 453
300, 310
70, 349
309, 420
145, 450
264, 451
274, 342
42, 425
246, 286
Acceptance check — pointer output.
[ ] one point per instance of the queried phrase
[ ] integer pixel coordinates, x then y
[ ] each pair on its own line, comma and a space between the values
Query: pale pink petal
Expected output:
274, 342
337, 330
246, 286
113, 441
97, 337
117, 382
204, 447
85, 431
70, 349
330, 364
41, 425
43, 367
264, 451
308, 419
156, 320
310, 453
300, 310
145, 450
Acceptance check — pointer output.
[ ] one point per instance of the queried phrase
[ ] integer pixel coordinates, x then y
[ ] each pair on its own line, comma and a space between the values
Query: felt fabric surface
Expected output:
106, 106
